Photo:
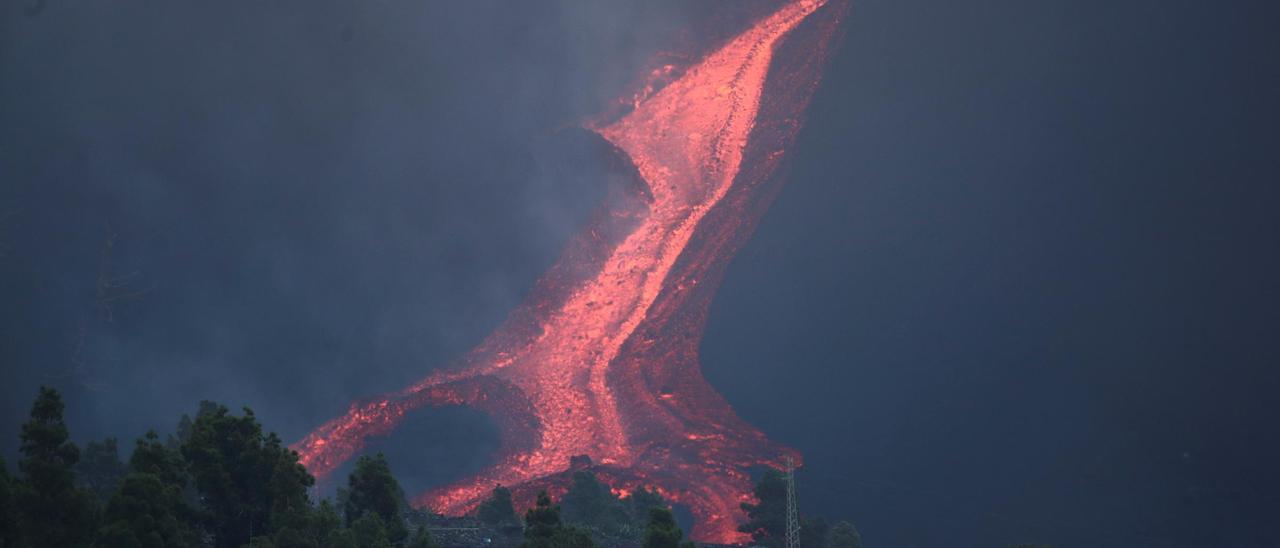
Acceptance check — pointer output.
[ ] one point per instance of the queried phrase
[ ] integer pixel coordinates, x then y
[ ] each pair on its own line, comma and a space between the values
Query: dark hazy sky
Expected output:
1021, 285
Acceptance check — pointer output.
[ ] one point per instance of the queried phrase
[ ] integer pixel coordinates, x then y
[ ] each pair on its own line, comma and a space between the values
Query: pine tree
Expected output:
52, 511
159, 459
149, 508
767, 519
592, 503
250, 484
637, 505
327, 524
498, 510
662, 531
8, 515
814, 532
371, 489
147, 512
541, 522
844, 535
543, 528
370, 531
100, 469
291, 515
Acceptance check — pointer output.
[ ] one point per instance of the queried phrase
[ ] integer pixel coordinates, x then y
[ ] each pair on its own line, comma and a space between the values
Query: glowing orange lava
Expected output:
601, 361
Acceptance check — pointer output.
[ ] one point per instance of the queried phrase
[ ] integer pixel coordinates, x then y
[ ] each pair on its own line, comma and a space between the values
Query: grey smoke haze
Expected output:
315, 202
300, 191
1020, 286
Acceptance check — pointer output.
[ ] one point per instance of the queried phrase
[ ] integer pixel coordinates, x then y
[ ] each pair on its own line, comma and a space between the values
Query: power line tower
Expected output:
793, 517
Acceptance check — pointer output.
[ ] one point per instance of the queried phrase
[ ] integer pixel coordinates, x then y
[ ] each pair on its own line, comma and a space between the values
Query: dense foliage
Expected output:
498, 509
590, 503
52, 511
611, 519
662, 531
543, 528
372, 494
250, 484
8, 515
844, 535
767, 518
222, 481
498, 512
100, 469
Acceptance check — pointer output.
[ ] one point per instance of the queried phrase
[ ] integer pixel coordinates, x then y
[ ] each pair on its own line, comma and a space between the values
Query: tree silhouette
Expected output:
592, 503
372, 490
8, 516
543, 528
250, 484
767, 519
52, 511
100, 469
662, 531
844, 535
498, 510
145, 511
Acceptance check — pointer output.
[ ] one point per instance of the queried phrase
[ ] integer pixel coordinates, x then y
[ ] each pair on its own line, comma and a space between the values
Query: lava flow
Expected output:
601, 360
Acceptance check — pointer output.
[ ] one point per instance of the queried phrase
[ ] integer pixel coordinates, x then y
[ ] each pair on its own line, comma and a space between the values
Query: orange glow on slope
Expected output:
601, 361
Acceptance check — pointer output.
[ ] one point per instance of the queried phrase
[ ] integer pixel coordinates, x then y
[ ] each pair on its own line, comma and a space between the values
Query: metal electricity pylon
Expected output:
793, 517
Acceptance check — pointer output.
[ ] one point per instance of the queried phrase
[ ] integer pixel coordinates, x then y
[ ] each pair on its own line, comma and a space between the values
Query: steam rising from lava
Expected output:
601, 361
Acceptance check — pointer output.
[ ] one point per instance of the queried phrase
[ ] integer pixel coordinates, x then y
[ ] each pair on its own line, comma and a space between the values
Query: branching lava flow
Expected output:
601, 360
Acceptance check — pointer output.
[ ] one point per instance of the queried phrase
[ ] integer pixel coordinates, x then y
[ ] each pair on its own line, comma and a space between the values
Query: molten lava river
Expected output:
601, 360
